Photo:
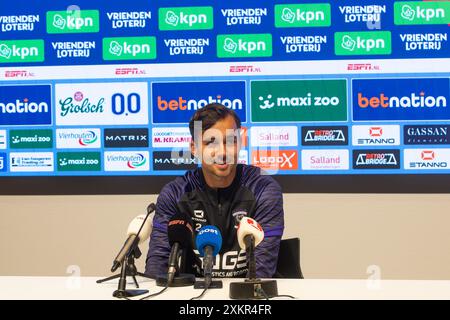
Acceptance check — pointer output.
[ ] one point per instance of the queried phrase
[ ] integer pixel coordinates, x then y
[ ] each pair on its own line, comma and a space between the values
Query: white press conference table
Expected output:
85, 288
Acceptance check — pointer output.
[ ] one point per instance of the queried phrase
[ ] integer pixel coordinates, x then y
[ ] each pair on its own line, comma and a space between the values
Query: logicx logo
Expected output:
137, 161
182, 18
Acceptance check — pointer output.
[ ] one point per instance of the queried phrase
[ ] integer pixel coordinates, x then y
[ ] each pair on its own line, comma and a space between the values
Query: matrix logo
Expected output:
186, 18
376, 159
76, 21
126, 138
3, 162
299, 100
131, 48
2, 139
325, 136
244, 45
376, 135
79, 161
420, 159
25, 105
427, 134
21, 51
127, 161
421, 12
275, 159
302, 15
167, 160
31, 139
401, 99
78, 138
31, 162
362, 43
332, 159
176, 102
274, 136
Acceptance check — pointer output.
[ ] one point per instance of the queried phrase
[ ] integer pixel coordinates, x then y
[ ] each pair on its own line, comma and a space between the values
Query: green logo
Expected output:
421, 12
133, 48
79, 161
244, 45
76, 21
302, 15
186, 18
299, 100
31, 139
21, 51
362, 43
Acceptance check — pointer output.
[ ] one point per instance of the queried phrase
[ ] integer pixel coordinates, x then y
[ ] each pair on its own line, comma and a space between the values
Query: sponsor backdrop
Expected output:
100, 88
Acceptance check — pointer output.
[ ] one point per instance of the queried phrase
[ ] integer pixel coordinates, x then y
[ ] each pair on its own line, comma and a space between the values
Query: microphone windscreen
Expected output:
249, 226
135, 225
208, 236
179, 229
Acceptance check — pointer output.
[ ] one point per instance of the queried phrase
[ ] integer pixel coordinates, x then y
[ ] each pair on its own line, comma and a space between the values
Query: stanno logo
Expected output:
427, 158
376, 135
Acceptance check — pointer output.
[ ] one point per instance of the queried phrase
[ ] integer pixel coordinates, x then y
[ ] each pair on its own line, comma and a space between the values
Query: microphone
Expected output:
209, 243
138, 232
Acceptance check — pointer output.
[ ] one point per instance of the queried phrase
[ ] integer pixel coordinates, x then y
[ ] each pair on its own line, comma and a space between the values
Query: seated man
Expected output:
220, 193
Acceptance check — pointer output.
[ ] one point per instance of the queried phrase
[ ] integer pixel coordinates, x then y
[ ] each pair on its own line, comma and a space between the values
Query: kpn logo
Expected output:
421, 12
186, 18
131, 48
362, 43
21, 51
75, 21
302, 15
244, 45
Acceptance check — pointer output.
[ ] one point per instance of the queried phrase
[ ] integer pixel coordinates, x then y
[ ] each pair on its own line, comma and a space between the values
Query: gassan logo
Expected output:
325, 136
421, 12
131, 48
75, 21
275, 159
176, 102
376, 135
186, 18
426, 159
299, 100
244, 45
79, 161
332, 159
127, 161
426, 134
376, 159
22, 51
363, 43
25, 105
31, 139
78, 138
401, 99
302, 15
3, 162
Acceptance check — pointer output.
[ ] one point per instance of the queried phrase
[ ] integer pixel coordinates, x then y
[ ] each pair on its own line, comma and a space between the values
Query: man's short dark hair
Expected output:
210, 114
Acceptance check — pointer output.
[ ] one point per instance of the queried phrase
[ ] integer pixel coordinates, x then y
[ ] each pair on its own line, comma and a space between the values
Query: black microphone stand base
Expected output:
215, 284
251, 289
128, 293
181, 280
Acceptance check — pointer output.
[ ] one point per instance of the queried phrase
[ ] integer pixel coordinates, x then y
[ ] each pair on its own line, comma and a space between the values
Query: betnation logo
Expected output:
414, 100
193, 104
275, 159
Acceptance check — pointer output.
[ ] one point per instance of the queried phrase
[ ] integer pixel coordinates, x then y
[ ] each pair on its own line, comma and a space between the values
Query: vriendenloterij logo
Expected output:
186, 18
302, 15
244, 45
73, 21
131, 48
21, 51
362, 43
421, 12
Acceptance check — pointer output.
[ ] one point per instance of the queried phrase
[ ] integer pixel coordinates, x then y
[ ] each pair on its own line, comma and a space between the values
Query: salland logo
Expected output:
3, 162
2, 139
376, 159
22, 51
362, 43
401, 99
176, 102
101, 103
25, 105
127, 161
131, 48
299, 100
174, 160
171, 138
244, 45
274, 136
73, 21
186, 18
31, 139
302, 15
332, 159
79, 161
325, 136
274, 159
421, 12
376, 135
126, 138
427, 159
426, 134
78, 138
31, 162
